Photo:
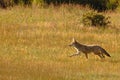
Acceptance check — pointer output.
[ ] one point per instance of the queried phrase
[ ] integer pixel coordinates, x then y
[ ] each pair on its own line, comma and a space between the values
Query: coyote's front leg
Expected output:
77, 53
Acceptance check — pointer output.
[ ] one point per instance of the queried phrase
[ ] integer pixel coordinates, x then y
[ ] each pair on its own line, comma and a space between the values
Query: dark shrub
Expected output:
95, 19
99, 5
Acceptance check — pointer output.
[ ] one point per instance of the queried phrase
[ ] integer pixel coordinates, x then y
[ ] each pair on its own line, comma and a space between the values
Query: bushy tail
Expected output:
106, 53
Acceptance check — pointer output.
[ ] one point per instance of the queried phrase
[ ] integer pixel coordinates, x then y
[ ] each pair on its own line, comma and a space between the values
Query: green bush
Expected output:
113, 4
23, 2
38, 2
95, 19
7, 3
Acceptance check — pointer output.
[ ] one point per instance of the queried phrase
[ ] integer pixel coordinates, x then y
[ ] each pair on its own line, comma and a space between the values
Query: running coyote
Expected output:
86, 49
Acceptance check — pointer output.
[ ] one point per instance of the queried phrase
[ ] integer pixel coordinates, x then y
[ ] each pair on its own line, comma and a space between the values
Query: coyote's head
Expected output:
73, 43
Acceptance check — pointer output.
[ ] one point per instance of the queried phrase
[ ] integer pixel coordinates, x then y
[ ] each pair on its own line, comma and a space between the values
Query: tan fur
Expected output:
86, 49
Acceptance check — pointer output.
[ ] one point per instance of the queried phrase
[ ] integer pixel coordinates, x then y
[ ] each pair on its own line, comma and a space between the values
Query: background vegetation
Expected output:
34, 44
99, 5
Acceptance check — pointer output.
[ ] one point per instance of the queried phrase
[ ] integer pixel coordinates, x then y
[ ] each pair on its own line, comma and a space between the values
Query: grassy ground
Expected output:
34, 45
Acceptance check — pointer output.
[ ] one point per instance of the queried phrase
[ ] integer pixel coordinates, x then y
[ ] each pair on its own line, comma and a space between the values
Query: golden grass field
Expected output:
34, 45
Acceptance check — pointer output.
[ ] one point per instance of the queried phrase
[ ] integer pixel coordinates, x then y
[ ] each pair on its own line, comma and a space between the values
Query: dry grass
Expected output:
34, 45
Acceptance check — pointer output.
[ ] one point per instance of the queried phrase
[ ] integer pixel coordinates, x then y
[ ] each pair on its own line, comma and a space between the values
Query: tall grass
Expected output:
34, 45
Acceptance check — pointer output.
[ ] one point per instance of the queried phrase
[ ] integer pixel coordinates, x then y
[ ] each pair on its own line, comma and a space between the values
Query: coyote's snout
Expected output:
86, 49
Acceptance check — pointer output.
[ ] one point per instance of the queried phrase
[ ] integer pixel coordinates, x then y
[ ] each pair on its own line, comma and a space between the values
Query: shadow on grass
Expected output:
110, 60
115, 61
110, 76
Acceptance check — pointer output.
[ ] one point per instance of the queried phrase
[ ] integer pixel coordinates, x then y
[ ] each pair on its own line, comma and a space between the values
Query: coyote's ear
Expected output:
74, 40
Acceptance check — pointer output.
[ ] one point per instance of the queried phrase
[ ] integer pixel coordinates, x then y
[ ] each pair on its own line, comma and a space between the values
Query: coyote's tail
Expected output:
106, 53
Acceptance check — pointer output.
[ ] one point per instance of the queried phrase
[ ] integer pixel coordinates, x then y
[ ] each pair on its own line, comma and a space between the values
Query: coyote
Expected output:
86, 49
